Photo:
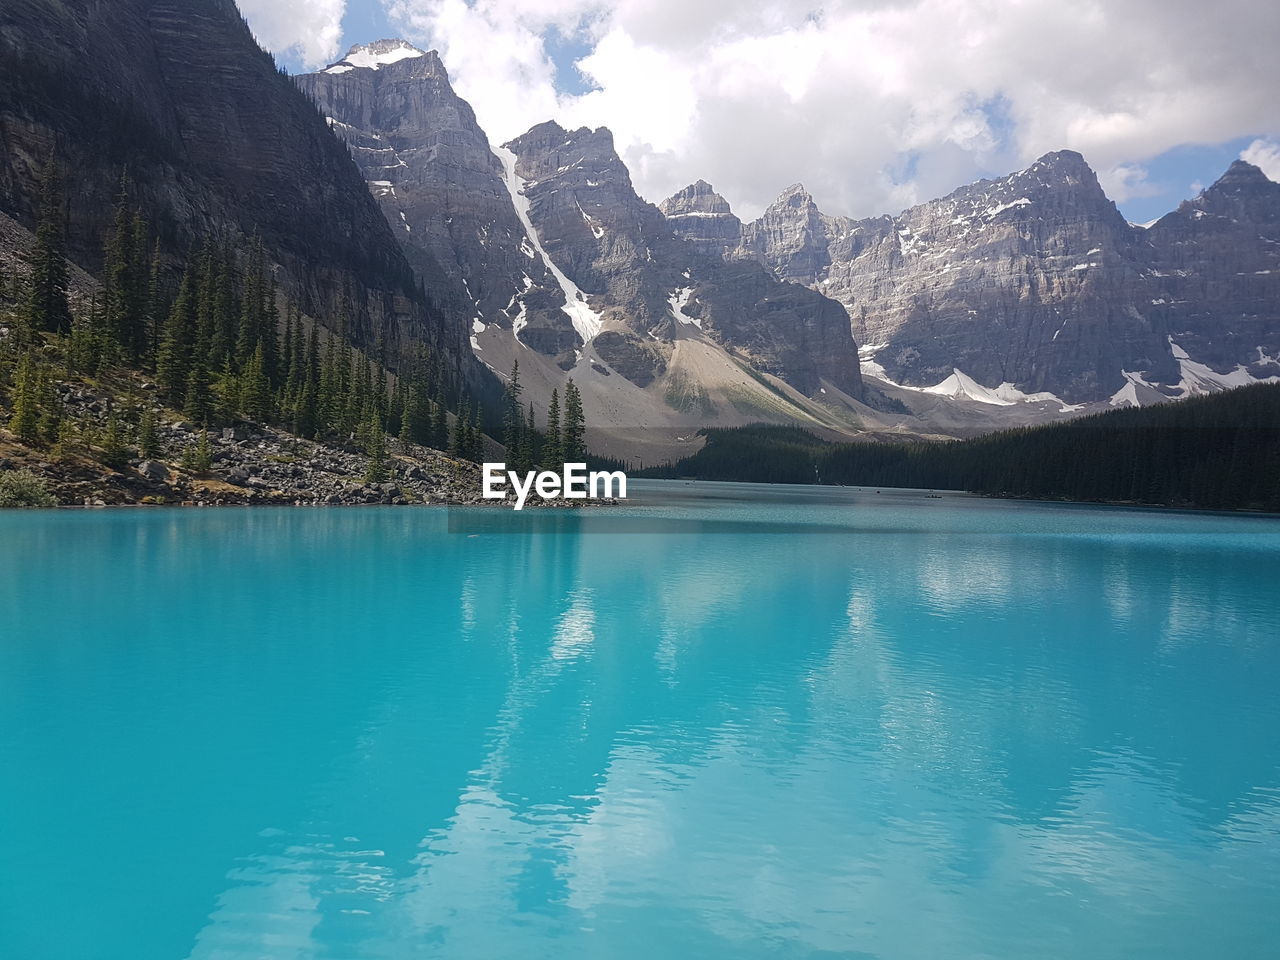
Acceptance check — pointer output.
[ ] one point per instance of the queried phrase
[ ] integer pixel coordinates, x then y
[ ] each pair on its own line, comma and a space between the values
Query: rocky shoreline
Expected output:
251, 464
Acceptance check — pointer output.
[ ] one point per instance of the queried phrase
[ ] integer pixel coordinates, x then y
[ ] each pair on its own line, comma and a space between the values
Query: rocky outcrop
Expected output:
703, 218
1036, 282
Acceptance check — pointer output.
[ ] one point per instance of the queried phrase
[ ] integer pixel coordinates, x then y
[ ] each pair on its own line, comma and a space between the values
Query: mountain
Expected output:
1215, 267
1033, 287
217, 143
704, 218
439, 184
546, 250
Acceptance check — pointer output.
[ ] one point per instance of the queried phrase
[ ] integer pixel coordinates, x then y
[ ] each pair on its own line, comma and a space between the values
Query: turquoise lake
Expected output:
723, 721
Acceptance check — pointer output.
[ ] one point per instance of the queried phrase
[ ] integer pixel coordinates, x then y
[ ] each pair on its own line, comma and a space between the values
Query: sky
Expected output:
873, 105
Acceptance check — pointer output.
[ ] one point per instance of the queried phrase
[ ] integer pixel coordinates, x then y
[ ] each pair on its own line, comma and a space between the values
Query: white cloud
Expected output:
840, 94
309, 29
1264, 154
1126, 181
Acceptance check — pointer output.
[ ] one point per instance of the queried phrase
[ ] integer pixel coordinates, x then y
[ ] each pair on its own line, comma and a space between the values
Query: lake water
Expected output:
722, 721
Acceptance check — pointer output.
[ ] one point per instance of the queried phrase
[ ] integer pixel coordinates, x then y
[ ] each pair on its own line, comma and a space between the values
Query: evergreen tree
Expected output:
255, 389
252, 308
529, 442
199, 459
155, 306
513, 418
226, 394
115, 274
551, 456
573, 436
439, 427
51, 412
458, 442
198, 402
475, 448
114, 451
376, 447
306, 419
46, 306
330, 397
173, 366
148, 437
223, 337
25, 421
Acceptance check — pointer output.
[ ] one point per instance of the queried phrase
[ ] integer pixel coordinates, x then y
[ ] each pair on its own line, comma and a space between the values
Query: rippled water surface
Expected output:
724, 721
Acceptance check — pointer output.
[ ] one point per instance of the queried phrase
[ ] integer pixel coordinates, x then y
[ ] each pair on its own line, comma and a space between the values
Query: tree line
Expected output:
1220, 451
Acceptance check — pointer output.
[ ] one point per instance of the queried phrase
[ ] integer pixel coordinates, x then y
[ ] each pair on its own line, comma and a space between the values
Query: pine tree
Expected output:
199, 459
223, 337
551, 445
376, 447
329, 389
155, 306
46, 306
25, 421
51, 412
173, 365
148, 437
114, 451
475, 448
255, 389
573, 437
115, 275
513, 417
206, 302
198, 403
252, 306
529, 442
226, 394
458, 444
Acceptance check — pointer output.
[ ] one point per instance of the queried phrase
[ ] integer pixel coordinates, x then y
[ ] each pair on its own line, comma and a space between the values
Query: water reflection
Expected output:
997, 734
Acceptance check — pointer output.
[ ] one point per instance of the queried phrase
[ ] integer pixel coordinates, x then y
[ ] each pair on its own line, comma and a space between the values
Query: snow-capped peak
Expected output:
372, 56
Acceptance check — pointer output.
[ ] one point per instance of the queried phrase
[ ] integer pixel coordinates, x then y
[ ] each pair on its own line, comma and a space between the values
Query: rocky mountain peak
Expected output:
698, 198
1061, 170
1242, 172
703, 217
1243, 194
549, 150
385, 53
795, 197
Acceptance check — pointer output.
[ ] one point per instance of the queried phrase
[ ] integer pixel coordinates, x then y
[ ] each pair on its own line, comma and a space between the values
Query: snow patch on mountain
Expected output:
585, 320
1199, 378
678, 301
372, 56
961, 386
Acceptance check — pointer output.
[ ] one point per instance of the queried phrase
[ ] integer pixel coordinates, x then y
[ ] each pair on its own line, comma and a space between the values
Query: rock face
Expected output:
1035, 281
439, 184
649, 283
1215, 262
703, 217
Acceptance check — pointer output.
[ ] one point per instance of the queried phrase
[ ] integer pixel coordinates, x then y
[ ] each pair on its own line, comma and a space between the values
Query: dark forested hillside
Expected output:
1220, 451
217, 144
